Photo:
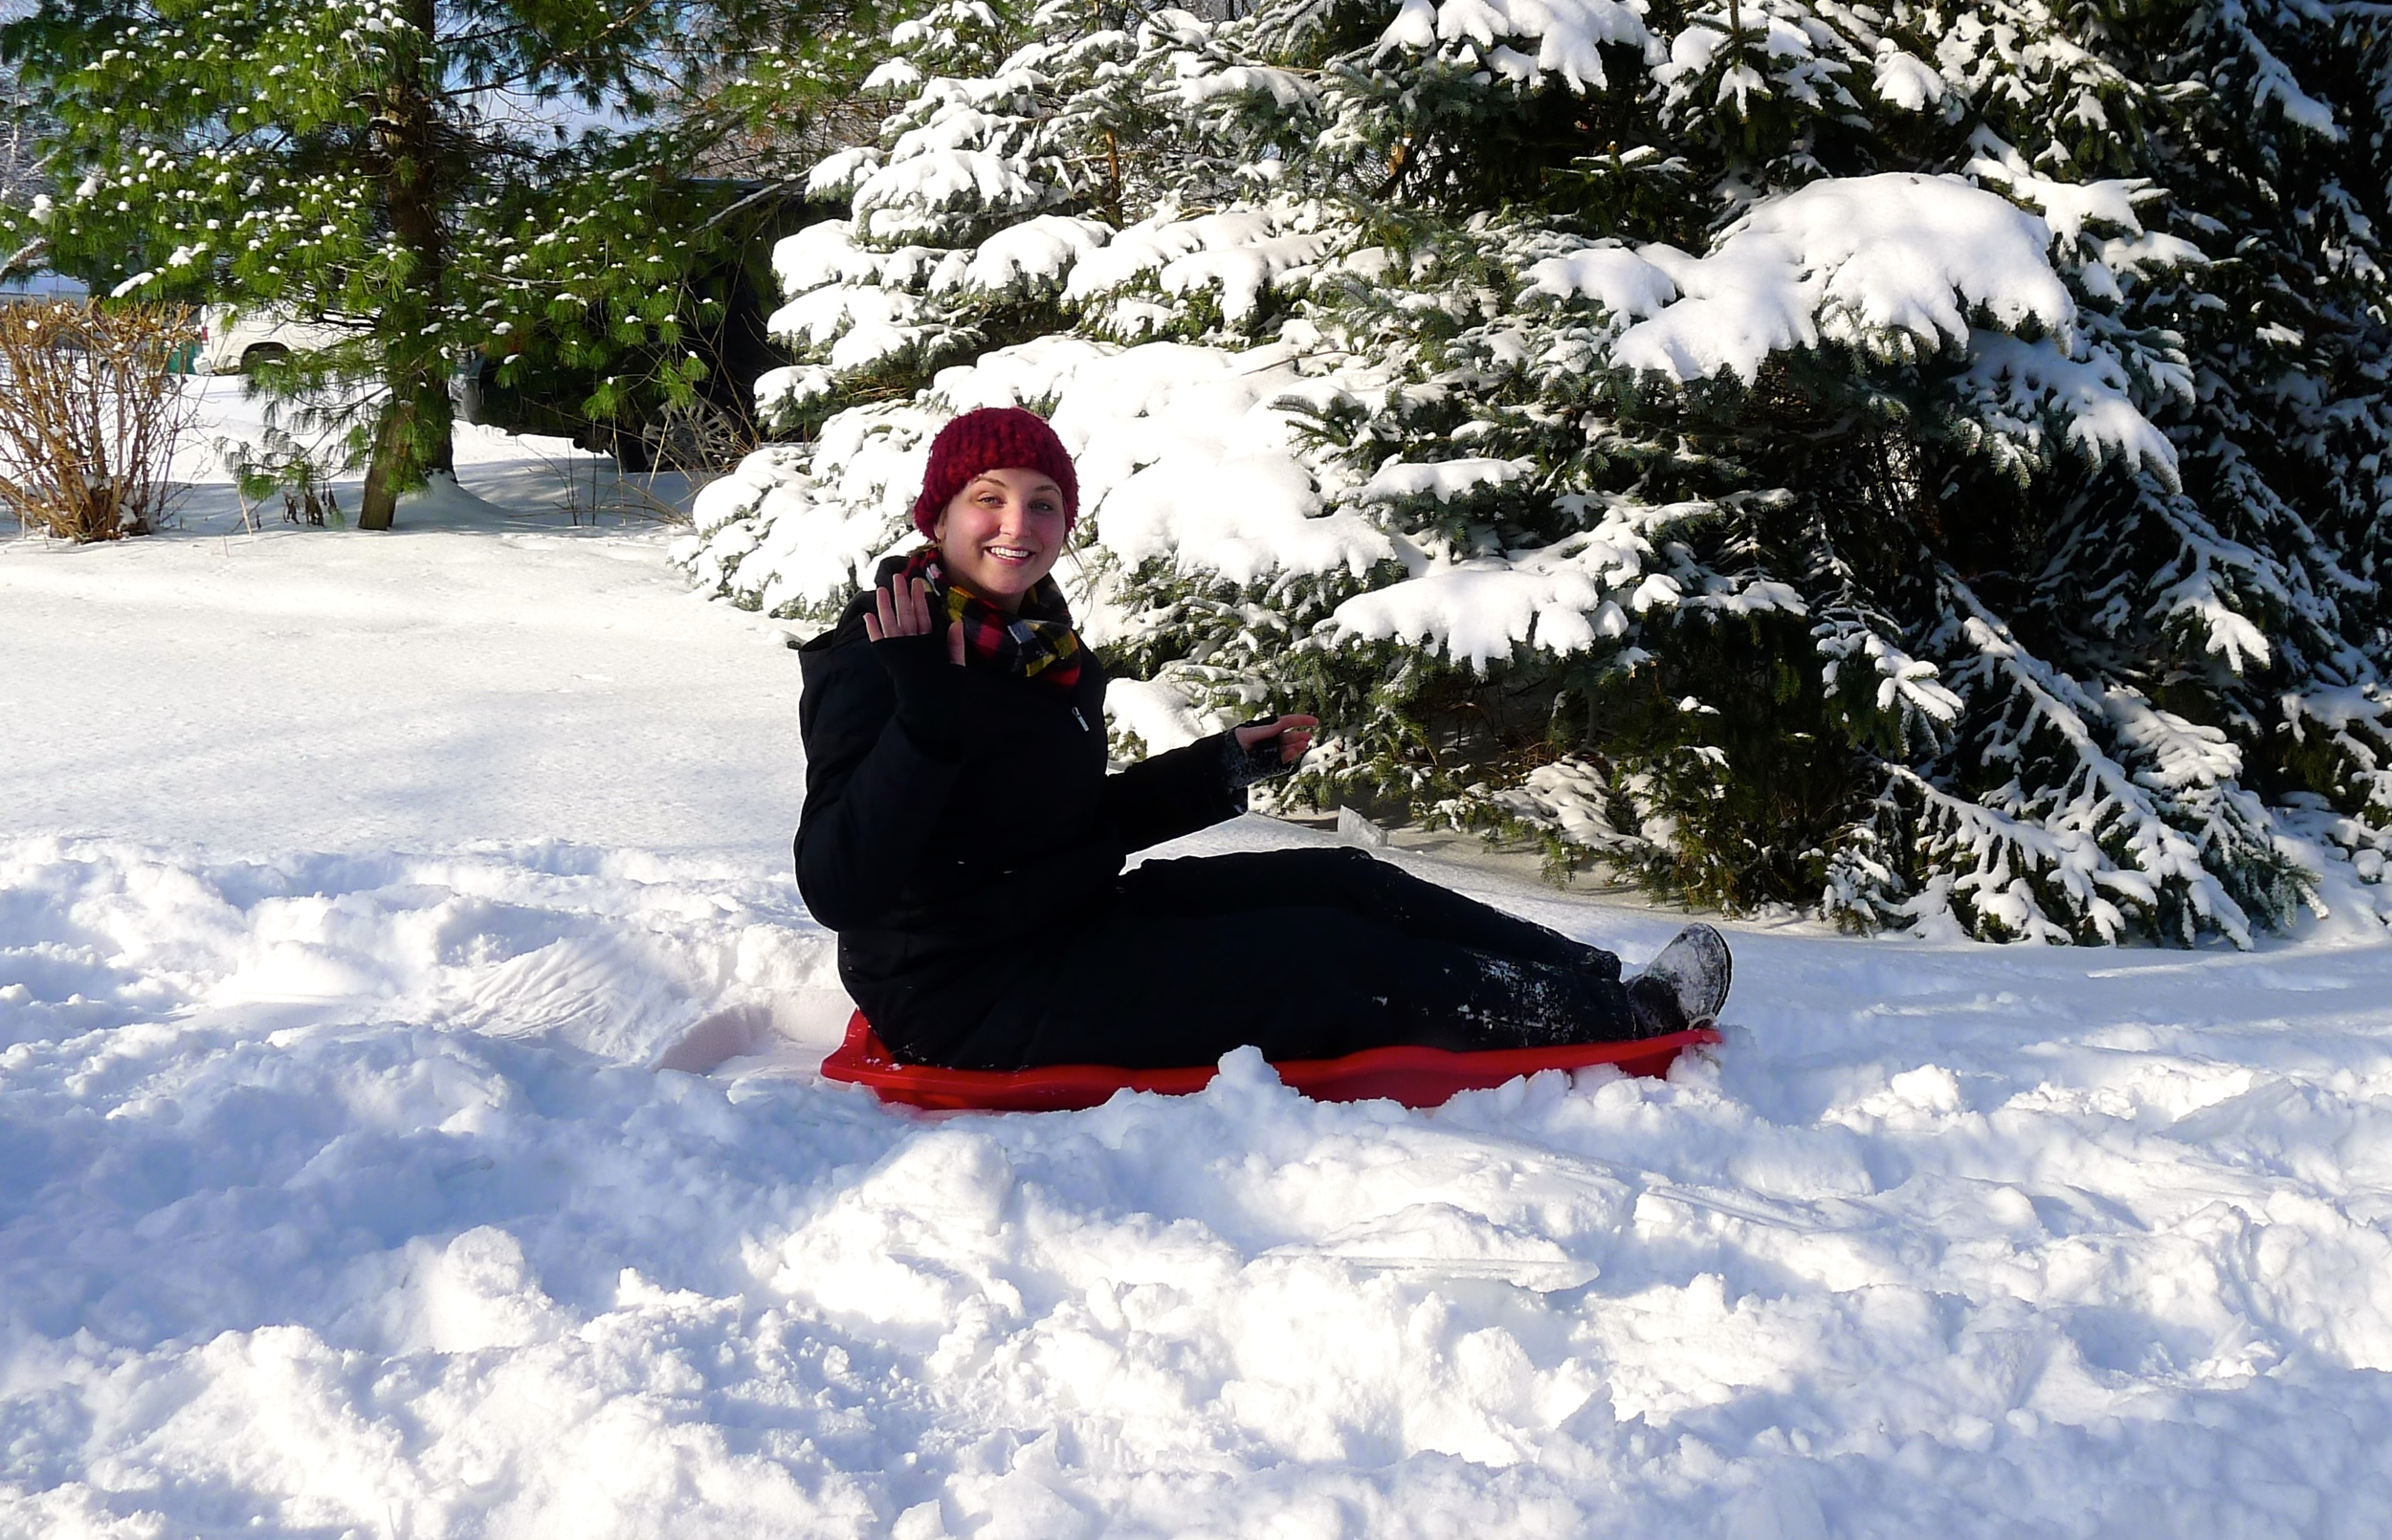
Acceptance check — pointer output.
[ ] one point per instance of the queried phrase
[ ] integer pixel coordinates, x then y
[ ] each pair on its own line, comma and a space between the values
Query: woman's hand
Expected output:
1294, 733
893, 614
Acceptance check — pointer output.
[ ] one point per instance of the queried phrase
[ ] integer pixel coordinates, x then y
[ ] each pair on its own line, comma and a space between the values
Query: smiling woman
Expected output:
962, 836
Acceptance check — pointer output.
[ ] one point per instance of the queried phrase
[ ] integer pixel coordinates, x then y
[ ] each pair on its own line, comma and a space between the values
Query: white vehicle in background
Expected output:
231, 342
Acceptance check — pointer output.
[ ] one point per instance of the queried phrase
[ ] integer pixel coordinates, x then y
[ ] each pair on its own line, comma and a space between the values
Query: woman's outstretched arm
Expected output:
1202, 784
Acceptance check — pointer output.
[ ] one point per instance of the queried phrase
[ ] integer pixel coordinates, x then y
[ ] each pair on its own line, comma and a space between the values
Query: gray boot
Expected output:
1683, 987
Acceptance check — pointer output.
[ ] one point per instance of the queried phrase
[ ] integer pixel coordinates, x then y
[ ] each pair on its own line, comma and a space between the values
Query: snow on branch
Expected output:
794, 387
1624, 284
2199, 599
1905, 81
2272, 80
2014, 384
1199, 82
2067, 207
1907, 687
1569, 803
2355, 722
1569, 35
2159, 827
1240, 517
1032, 258
835, 176
1561, 599
1480, 610
859, 325
1240, 253
1444, 481
1891, 264
821, 254
1726, 55
2008, 870
901, 200
1035, 374
796, 529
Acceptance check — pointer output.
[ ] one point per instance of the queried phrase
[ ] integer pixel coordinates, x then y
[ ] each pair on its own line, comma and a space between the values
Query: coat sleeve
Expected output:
870, 792
1172, 794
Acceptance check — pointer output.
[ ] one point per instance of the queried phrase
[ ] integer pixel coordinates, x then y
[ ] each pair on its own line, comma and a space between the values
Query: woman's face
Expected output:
1001, 534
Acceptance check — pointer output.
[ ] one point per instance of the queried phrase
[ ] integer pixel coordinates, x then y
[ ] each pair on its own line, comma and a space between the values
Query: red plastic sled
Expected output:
1416, 1077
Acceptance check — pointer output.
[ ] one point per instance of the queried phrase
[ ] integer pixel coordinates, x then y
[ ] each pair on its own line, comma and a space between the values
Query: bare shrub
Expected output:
90, 411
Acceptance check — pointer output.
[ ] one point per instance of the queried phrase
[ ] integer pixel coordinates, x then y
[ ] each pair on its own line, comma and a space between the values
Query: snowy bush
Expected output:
90, 414
1918, 464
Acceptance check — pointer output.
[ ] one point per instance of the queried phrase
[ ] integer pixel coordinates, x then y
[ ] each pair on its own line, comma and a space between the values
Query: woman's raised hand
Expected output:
896, 614
1294, 733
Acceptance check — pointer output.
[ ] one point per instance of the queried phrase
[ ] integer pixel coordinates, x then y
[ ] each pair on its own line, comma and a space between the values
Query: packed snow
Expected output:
407, 1103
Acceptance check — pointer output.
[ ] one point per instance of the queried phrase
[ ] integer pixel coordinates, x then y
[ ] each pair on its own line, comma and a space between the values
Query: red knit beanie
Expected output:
992, 438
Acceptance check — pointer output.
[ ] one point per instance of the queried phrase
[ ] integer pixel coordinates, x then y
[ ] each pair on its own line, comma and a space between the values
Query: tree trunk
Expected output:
413, 434
400, 456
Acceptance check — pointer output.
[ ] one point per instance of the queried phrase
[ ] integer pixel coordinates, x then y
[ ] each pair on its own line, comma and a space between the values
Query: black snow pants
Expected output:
1304, 953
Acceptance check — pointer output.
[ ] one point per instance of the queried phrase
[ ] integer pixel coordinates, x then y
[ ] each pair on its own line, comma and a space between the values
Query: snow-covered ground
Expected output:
407, 1130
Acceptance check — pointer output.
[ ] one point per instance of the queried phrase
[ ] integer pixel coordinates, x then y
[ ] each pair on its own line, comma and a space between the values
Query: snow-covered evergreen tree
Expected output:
1918, 461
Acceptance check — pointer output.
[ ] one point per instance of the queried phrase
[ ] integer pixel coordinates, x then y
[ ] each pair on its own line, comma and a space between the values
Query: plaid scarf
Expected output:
1038, 642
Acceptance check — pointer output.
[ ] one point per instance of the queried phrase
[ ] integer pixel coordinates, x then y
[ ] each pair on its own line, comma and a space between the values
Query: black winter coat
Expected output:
945, 868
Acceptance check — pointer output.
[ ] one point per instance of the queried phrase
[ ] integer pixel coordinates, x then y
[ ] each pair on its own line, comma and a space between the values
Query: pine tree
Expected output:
23, 124
1917, 462
431, 177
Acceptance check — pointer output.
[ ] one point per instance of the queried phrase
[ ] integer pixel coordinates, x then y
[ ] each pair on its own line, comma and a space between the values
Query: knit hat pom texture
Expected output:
992, 438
